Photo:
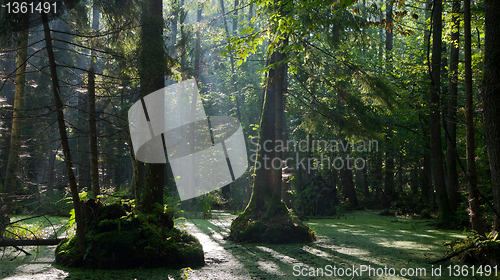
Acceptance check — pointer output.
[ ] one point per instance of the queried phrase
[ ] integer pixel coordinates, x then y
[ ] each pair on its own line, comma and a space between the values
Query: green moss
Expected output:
117, 239
275, 226
67, 252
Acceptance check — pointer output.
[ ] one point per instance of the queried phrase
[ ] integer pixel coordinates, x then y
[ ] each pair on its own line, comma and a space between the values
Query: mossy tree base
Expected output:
118, 239
272, 226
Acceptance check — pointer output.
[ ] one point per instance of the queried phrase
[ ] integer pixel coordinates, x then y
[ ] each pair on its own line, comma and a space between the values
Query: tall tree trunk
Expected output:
9, 65
94, 167
15, 134
378, 176
262, 188
414, 180
152, 75
346, 177
388, 33
280, 77
80, 225
427, 188
474, 206
226, 190
491, 97
197, 52
366, 190
173, 27
451, 124
443, 203
399, 189
183, 40
389, 185
94, 155
231, 58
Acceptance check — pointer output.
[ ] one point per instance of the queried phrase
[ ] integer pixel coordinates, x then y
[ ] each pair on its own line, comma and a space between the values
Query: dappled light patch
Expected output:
317, 252
270, 268
404, 245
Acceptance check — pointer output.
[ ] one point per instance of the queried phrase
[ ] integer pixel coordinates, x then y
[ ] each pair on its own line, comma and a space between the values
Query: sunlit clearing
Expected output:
29, 271
317, 252
404, 245
345, 250
270, 267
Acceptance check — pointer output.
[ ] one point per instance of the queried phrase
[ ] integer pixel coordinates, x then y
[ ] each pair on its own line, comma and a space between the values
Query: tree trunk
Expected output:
388, 33
80, 225
366, 190
93, 149
378, 176
280, 76
389, 185
152, 76
173, 27
183, 39
346, 177
451, 124
474, 206
414, 180
15, 135
94, 167
231, 58
399, 189
262, 187
427, 188
491, 97
443, 203
197, 52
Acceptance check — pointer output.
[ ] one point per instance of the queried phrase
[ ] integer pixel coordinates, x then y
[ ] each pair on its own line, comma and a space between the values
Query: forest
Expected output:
249, 139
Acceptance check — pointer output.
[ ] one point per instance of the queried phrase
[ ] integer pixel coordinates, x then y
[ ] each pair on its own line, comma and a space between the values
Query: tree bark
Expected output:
491, 97
94, 165
94, 155
443, 203
15, 135
152, 76
80, 225
389, 185
231, 59
451, 124
197, 52
280, 76
474, 206
388, 33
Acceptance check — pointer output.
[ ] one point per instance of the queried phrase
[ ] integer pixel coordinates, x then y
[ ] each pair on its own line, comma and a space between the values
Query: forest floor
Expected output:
362, 239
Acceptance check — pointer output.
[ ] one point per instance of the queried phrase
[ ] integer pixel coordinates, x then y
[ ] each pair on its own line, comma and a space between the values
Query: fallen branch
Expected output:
454, 254
29, 242
19, 249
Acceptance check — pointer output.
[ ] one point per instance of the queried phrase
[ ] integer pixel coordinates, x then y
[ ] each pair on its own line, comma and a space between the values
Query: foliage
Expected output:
476, 249
24, 231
